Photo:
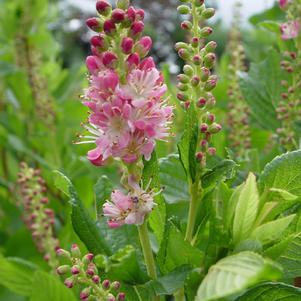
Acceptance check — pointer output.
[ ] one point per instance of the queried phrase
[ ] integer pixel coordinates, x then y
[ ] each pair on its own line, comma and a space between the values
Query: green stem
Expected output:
180, 295
193, 206
147, 251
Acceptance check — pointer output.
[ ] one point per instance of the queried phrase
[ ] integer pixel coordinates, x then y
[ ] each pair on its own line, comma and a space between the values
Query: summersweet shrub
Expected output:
193, 224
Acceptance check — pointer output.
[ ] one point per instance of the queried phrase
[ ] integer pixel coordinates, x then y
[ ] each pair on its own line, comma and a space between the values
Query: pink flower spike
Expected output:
290, 30
127, 45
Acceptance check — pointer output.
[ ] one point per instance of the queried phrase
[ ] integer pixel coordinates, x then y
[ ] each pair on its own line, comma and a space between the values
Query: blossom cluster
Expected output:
238, 116
197, 81
37, 216
81, 270
125, 94
289, 108
129, 208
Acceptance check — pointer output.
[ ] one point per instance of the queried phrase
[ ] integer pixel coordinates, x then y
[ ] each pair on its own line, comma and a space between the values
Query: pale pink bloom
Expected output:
283, 3
131, 208
290, 30
143, 83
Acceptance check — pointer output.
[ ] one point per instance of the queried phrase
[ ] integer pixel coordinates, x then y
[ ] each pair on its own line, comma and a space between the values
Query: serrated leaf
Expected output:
291, 260
173, 179
284, 172
246, 210
272, 292
222, 171
50, 288
273, 230
261, 90
235, 273
188, 143
17, 276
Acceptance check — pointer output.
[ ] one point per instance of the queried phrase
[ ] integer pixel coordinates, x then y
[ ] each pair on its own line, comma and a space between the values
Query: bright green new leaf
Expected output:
273, 291
246, 210
273, 230
235, 273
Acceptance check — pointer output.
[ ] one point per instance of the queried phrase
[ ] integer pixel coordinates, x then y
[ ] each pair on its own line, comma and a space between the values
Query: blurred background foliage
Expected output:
42, 73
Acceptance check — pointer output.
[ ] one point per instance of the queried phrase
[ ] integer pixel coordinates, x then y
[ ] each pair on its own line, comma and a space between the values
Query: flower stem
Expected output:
194, 194
180, 295
147, 251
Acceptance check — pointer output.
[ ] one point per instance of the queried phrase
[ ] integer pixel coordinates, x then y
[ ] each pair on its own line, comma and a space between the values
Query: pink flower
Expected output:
290, 30
143, 84
283, 3
131, 208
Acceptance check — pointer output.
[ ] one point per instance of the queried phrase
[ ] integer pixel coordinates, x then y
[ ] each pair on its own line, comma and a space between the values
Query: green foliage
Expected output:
235, 273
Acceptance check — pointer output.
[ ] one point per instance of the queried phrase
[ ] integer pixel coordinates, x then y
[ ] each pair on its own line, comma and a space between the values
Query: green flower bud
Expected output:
211, 83
205, 32
184, 79
208, 13
63, 269
181, 45
184, 54
209, 60
188, 70
123, 4
211, 46
184, 9
214, 128
195, 81
182, 87
197, 60
205, 73
186, 25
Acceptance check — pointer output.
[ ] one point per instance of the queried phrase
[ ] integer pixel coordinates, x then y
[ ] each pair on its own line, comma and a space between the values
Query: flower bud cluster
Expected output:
289, 108
126, 90
81, 270
37, 216
238, 115
196, 83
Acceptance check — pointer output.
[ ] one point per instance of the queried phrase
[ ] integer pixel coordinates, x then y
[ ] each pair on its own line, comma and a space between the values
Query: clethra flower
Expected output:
125, 94
131, 208
290, 30
283, 3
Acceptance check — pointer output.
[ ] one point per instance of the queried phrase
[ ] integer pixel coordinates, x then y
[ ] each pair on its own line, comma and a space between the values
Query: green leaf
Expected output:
188, 143
224, 170
158, 215
61, 182
235, 273
271, 26
102, 190
175, 251
125, 266
16, 275
82, 223
284, 172
172, 178
261, 90
273, 230
246, 210
170, 283
50, 288
290, 259
272, 292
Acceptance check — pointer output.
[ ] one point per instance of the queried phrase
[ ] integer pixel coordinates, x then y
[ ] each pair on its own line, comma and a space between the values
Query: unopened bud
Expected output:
118, 15
188, 70
96, 279
109, 27
123, 4
63, 269
85, 293
183, 54
110, 297
195, 81
116, 285
215, 128
181, 45
183, 9
144, 46
133, 60
182, 87
75, 270
199, 156
195, 42
88, 258
121, 297
184, 79
186, 25
75, 251
197, 60
203, 127
63, 253
208, 13
109, 59
212, 151
103, 7
206, 31
201, 102
211, 46
182, 96
211, 83
209, 60
137, 28
205, 73
106, 284
69, 282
